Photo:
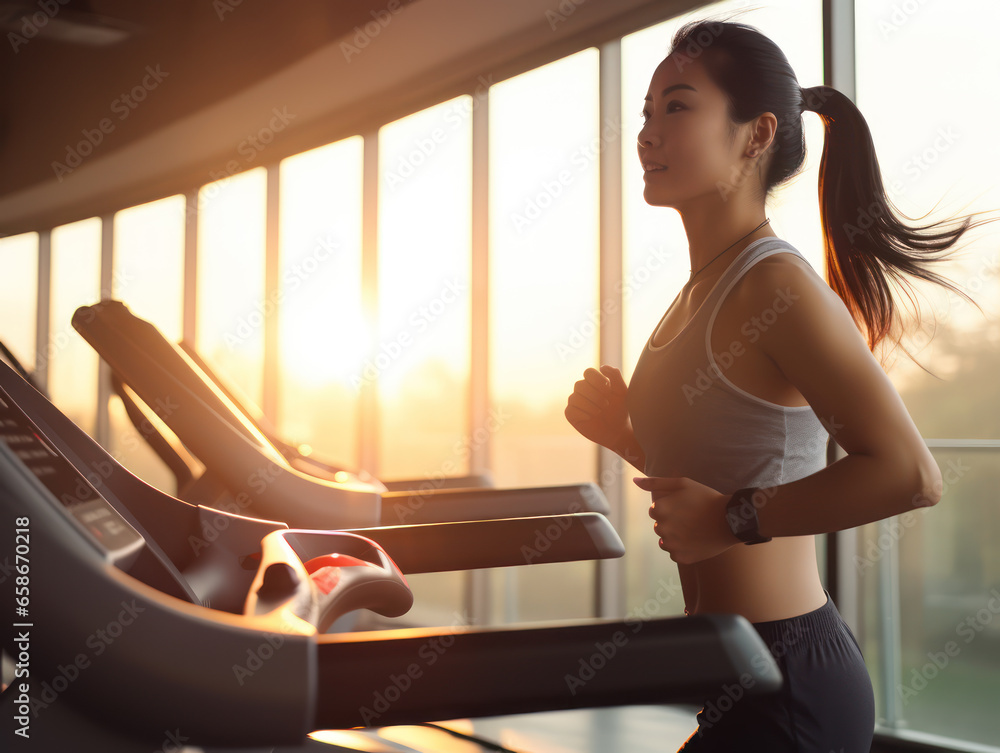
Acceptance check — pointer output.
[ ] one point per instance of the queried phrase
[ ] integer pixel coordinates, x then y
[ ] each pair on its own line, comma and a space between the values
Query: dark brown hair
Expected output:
867, 245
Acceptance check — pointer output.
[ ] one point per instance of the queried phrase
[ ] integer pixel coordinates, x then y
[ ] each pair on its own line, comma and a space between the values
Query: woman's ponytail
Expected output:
866, 244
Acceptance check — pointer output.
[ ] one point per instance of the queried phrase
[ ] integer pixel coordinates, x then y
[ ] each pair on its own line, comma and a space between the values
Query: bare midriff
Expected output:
762, 582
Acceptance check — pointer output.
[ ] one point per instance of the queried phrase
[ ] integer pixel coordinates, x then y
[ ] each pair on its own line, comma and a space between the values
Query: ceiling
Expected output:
89, 128
55, 93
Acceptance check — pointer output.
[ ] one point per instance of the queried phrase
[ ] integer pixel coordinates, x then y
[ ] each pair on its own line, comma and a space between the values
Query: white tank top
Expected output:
690, 420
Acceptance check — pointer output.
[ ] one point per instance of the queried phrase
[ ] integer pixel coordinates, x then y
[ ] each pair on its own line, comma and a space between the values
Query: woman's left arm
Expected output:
816, 344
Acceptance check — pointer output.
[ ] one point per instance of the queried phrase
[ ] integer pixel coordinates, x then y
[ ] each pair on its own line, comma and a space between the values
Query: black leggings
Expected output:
825, 704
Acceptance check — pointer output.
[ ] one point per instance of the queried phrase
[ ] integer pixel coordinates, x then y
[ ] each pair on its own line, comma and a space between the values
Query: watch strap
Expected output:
741, 515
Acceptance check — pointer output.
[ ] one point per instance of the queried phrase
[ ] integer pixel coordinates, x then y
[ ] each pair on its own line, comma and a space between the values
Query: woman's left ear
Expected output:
762, 136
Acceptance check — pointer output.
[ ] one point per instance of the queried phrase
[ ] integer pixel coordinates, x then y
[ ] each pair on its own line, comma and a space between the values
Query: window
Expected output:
421, 358
931, 577
322, 337
148, 278
19, 296
76, 281
544, 154
231, 302
149, 262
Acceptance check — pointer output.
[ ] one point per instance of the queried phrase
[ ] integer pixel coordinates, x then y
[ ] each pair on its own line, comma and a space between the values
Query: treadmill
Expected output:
250, 471
126, 635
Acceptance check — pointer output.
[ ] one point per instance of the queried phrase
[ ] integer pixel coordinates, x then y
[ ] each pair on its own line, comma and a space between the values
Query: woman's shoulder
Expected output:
781, 268
801, 302
776, 253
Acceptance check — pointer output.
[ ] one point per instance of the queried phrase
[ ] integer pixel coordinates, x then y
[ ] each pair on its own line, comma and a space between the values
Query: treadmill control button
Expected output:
325, 570
334, 560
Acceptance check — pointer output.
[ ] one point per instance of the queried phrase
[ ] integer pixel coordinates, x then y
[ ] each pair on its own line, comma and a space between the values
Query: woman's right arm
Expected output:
597, 410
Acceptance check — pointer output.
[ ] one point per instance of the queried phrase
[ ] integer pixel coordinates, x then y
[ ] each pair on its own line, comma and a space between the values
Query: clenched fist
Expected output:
597, 409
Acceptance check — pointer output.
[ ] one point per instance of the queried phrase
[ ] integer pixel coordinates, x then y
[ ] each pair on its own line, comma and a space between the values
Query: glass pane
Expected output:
231, 305
948, 676
544, 158
942, 164
421, 359
322, 338
149, 278
76, 281
656, 263
149, 263
19, 296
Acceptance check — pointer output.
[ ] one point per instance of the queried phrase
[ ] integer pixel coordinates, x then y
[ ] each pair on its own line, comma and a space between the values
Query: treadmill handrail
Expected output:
88, 321
177, 458
499, 542
439, 505
252, 468
412, 676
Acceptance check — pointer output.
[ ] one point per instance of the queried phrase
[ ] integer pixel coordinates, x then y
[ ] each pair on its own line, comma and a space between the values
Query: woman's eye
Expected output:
675, 103
644, 115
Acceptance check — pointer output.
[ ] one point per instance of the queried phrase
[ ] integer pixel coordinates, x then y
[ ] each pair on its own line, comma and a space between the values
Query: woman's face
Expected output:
685, 144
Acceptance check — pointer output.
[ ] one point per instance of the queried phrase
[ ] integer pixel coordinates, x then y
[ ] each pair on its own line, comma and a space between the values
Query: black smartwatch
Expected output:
741, 514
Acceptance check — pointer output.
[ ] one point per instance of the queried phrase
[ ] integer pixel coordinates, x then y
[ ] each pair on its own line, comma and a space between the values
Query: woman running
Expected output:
755, 365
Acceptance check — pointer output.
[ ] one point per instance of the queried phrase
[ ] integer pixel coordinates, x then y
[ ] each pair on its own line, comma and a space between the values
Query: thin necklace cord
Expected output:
727, 248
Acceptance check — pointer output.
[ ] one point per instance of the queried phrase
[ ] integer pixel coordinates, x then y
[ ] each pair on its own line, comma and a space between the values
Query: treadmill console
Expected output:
102, 525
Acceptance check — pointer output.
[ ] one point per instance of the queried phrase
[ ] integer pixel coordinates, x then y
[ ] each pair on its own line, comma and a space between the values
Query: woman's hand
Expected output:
597, 409
690, 518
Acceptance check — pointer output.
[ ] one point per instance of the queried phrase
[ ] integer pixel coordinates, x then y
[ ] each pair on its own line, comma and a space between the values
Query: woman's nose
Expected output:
647, 136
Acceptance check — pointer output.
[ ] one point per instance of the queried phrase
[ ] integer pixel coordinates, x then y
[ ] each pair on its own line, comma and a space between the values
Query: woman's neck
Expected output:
715, 240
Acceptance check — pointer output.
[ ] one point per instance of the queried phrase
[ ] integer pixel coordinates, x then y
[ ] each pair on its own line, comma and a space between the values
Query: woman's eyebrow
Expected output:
669, 89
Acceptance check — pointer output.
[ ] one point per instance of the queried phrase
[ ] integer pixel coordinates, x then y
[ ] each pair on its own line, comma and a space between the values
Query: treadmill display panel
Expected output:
105, 527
